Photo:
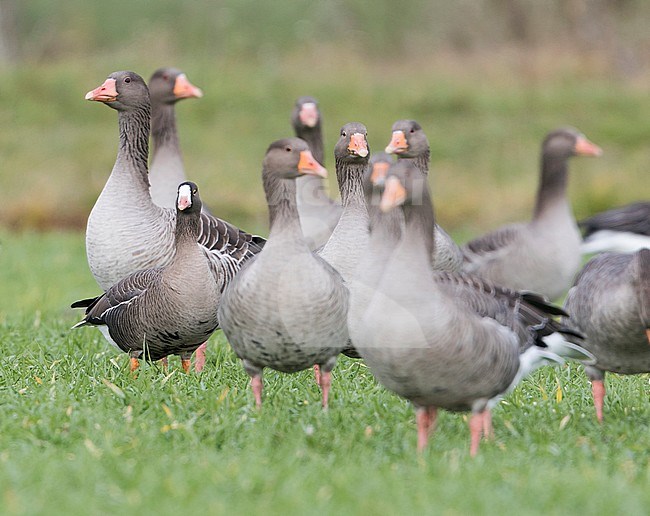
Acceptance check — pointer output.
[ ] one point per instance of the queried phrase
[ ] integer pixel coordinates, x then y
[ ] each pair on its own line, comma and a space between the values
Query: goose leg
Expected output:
488, 431
598, 391
317, 374
257, 385
475, 429
165, 363
199, 357
134, 363
186, 363
425, 418
325, 382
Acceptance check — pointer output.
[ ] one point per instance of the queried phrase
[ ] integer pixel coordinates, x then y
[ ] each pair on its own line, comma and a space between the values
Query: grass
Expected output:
80, 435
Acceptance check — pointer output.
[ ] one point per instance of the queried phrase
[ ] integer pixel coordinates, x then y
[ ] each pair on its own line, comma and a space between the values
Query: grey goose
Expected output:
168, 310
166, 87
542, 255
124, 235
610, 304
624, 229
319, 213
287, 307
350, 236
408, 141
443, 339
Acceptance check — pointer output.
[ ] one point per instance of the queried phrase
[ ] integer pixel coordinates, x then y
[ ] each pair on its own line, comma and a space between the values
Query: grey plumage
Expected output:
542, 255
165, 310
319, 213
410, 142
610, 304
123, 234
286, 309
623, 229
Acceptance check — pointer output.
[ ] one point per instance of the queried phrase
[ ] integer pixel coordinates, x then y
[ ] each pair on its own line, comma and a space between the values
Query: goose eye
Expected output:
165, 77
127, 80
287, 148
344, 134
412, 130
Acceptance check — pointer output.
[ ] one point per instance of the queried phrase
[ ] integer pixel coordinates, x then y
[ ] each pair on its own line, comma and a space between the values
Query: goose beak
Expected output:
394, 194
398, 143
104, 93
308, 114
584, 147
358, 145
647, 334
378, 174
184, 197
309, 165
184, 89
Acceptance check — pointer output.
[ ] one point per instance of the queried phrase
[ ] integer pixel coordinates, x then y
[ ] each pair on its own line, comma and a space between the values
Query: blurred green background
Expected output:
486, 79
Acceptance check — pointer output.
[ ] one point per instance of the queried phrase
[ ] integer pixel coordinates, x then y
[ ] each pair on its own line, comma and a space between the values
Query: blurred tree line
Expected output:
38, 30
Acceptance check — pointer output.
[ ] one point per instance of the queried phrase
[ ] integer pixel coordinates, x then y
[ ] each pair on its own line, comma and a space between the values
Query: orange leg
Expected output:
426, 419
134, 363
257, 386
165, 363
199, 357
325, 383
317, 374
475, 429
598, 390
187, 364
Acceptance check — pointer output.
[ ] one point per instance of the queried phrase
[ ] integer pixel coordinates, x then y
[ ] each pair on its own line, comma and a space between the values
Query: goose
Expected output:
408, 141
350, 236
610, 304
162, 311
166, 87
625, 229
542, 255
319, 214
443, 339
124, 235
287, 307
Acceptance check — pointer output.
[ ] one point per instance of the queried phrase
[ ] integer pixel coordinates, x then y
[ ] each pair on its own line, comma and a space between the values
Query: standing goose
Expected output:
167, 86
127, 234
167, 310
542, 255
350, 236
408, 141
287, 308
439, 339
319, 213
610, 304
624, 230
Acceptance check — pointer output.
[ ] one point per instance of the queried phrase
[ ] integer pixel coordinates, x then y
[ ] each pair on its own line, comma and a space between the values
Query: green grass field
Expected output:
80, 435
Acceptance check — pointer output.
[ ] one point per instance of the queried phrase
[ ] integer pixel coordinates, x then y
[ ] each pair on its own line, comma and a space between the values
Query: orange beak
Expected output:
184, 89
309, 114
584, 147
394, 194
398, 143
309, 165
104, 93
358, 145
378, 174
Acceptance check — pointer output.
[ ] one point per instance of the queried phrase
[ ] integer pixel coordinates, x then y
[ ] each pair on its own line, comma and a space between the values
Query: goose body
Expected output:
624, 230
542, 255
286, 309
409, 142
167, 86
319, 213
610, 304
442, 339
166, 310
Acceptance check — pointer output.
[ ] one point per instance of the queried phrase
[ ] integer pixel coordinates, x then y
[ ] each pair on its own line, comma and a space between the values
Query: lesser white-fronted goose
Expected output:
319, 213
441, 339
162, 311
408, 141
624, 230
127, 234
287, 308
610, 304
166, 87
542, 255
